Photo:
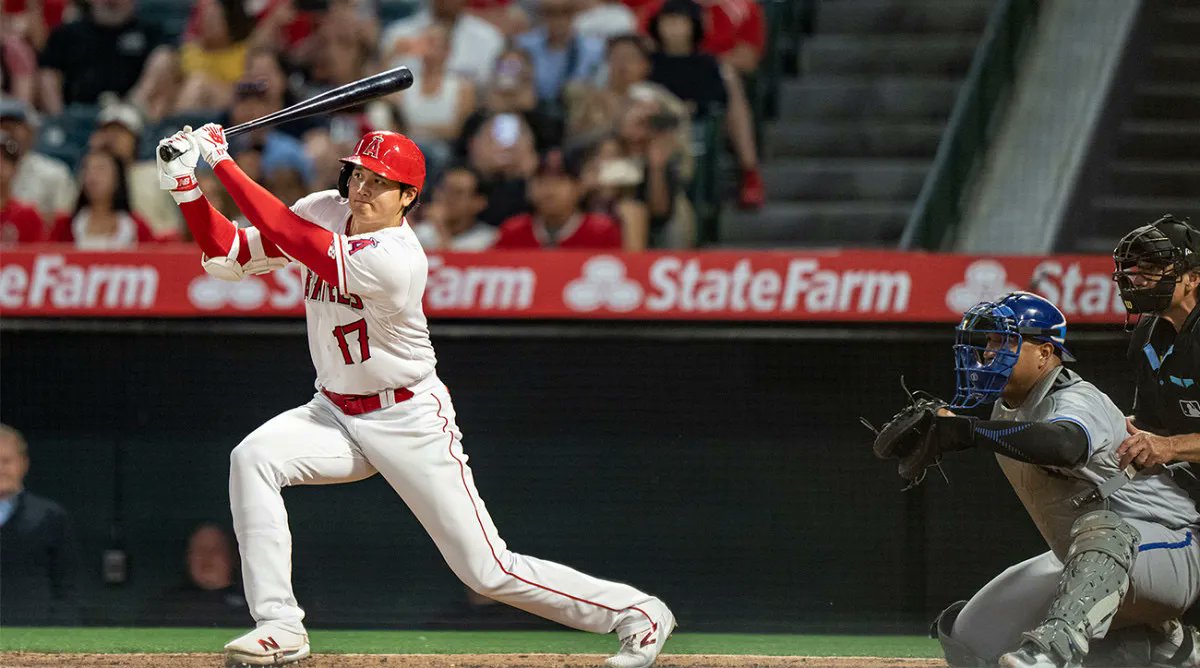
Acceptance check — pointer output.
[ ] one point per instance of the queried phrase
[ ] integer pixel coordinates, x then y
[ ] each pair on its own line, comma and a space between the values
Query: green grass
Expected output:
118, 640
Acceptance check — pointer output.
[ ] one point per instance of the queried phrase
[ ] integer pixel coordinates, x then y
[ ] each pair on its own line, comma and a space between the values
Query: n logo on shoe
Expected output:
649, 638
268, 643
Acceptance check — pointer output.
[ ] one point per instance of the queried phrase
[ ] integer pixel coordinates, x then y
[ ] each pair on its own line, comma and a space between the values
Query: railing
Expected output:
972, 123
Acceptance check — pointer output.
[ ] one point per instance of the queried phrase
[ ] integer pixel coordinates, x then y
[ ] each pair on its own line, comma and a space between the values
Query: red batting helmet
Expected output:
388, 154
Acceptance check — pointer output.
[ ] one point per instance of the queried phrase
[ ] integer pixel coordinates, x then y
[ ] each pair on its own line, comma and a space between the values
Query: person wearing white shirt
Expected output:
474, 43
453, 222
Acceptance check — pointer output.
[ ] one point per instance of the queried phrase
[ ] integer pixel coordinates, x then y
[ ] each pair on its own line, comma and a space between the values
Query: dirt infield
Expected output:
29, 660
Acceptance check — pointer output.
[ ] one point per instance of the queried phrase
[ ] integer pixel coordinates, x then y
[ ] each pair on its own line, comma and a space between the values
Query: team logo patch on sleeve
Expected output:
359, 244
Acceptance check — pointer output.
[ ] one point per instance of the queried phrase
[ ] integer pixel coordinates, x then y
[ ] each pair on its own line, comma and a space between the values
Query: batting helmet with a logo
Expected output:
388, 154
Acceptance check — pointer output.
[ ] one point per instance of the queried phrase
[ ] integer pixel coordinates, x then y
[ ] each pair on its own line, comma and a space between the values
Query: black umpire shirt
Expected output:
1168, 375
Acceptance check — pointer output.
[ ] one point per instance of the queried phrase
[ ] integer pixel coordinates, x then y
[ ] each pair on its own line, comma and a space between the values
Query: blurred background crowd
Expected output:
615, 123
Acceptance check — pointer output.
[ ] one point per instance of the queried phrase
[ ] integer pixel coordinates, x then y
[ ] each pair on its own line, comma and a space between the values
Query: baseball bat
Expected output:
349, 95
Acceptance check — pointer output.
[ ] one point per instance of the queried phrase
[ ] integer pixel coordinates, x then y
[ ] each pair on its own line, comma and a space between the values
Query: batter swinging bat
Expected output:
349, 95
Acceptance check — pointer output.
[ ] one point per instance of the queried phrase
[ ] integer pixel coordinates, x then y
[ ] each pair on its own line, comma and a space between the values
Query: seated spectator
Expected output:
214, 59
559, 55
278, 150
435, 108
220, 198
34, 19
119, 130
102, 219
452, 218
502, 153
637, 172
592, 109
699, 79
43, 181
109, 49
511, 91
557, 220
604, 19
38, 555
474, 43
342, 49
209, 593
18, 64
267, 71
735, 30
19, 221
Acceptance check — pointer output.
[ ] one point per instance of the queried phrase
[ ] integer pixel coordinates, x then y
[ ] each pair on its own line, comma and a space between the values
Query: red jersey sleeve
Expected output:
61, 231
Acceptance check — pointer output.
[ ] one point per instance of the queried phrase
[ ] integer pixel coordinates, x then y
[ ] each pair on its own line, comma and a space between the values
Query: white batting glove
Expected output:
178, 175
213, 146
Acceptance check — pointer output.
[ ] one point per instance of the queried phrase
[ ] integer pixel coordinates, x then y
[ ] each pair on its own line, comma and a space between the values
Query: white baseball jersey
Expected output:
1046, 491
368, 333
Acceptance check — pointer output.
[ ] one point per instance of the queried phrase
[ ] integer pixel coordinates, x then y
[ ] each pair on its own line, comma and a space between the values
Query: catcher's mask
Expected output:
988, 343
1154, 256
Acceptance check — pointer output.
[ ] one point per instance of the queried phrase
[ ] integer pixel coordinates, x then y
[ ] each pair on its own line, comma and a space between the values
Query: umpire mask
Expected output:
1154, 256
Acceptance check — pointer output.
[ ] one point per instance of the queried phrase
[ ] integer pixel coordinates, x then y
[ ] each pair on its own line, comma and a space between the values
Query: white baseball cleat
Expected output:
1027, 658
268, 645
641, 641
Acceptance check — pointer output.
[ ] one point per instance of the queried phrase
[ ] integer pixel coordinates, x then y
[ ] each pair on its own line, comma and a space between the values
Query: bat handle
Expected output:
168, 153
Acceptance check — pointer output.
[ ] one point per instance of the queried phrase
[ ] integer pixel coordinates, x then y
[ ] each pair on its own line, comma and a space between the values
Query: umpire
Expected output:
1158, 276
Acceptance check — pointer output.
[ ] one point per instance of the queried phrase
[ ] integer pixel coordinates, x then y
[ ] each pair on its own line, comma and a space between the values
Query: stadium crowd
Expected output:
545, 123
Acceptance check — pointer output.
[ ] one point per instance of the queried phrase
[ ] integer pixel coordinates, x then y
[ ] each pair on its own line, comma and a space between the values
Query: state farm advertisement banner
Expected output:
835, 286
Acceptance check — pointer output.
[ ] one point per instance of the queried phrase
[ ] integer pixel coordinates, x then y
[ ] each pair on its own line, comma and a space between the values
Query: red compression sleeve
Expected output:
306, 242
214, 232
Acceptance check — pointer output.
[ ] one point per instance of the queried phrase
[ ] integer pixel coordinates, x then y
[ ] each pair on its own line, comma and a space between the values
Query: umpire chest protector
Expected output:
1168, 375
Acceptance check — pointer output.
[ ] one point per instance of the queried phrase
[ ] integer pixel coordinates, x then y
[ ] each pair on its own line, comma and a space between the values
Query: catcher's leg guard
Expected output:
1095, 577
957, 654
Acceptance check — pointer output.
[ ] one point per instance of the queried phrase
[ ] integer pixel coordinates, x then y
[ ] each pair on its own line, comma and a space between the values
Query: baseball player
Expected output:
1126, 558
379, 405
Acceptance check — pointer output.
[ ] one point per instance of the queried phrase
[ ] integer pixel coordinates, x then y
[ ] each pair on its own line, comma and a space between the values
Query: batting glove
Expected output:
213, 146
178, 175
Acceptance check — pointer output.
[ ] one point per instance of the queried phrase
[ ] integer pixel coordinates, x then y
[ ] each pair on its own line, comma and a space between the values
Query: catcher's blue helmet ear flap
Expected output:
988, 343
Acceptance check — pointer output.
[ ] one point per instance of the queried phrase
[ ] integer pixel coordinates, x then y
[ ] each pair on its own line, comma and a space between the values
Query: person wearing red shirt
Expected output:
557, 221
19, 222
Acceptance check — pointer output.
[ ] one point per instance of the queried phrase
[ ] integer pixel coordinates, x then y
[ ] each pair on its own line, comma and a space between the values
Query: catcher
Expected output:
1119, 557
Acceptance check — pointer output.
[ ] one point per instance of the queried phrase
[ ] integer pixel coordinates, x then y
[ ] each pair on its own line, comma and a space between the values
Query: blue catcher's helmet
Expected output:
988, 343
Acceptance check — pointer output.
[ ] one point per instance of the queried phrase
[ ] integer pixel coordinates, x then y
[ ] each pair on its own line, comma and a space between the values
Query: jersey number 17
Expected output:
357, 327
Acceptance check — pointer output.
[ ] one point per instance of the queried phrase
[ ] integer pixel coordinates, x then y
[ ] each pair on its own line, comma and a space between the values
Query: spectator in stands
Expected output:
434, 109
18, 64
637, 173
557, 220
343, 48
213, 59
511, 91
604, 19
19, 221
734, 30
43, 181
559, 55
218, 197
279, 150
38, 556
102, 219
502, 153
109, 49
474, 43
210, 593
119, 130
34, 19
592, 109
452, 218
699, 79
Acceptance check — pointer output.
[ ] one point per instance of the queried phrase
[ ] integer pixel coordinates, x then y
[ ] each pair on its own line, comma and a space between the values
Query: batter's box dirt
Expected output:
27, 660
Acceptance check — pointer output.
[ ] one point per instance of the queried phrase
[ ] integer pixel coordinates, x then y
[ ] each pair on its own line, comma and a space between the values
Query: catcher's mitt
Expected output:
911, 436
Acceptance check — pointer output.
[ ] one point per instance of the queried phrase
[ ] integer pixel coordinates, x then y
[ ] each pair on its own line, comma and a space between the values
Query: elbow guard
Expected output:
228, 268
